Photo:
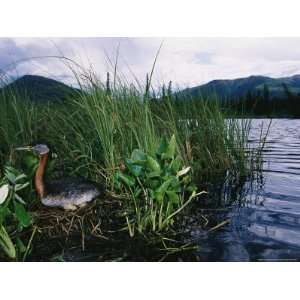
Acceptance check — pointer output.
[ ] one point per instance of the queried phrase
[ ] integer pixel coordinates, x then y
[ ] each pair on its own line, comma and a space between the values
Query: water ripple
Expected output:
268, 228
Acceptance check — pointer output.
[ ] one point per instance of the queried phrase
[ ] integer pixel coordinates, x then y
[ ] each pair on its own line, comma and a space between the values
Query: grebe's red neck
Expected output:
39, 176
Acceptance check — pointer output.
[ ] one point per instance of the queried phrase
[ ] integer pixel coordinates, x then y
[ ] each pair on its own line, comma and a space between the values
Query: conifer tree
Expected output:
170, 89
108, 90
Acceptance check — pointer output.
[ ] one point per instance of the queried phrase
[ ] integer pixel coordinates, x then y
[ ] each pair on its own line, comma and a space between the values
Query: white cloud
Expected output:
185, 61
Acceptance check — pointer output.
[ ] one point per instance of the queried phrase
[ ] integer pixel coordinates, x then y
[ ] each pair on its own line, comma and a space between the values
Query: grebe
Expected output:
68, 193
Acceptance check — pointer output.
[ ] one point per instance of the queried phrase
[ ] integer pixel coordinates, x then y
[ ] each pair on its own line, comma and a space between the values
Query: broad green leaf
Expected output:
172, 196
175, 165
153, 164
138, 156
159, 196
164, 187
21, 176
170, 152
168, 176
6, 244
4, 191
10, 176
175, 186
151, 193
22, 215
126, 179
19, 187
152, 183
129, 162
153, 175
134, 169
11, 170
162, 147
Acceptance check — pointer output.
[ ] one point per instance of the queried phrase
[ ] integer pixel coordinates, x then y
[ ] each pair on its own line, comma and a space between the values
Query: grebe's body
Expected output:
68, 193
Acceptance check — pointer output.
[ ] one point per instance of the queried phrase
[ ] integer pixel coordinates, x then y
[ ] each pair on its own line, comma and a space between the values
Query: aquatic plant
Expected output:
107, 125
13, 215
157, 187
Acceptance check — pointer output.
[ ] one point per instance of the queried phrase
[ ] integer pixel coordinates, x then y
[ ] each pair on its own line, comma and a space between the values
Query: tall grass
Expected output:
19, 122
94, 132
97, 130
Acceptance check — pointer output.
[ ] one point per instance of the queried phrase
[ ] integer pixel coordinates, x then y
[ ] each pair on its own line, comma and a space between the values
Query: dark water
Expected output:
266, 227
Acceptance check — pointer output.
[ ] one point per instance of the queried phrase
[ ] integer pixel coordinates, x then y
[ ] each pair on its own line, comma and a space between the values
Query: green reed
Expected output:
94, 132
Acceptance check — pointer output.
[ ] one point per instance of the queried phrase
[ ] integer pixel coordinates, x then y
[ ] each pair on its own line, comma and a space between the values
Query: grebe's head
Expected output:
39, 149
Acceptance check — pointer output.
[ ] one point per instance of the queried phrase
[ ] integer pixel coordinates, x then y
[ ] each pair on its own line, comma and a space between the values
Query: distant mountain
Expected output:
40, 89
237, 88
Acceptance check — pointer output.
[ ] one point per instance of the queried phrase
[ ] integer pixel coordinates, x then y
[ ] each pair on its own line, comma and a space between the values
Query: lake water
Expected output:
266, 227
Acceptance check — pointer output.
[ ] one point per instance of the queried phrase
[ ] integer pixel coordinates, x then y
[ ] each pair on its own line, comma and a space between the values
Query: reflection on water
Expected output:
267, 226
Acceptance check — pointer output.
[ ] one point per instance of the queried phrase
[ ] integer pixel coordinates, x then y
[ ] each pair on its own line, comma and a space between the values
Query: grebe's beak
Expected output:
27, 148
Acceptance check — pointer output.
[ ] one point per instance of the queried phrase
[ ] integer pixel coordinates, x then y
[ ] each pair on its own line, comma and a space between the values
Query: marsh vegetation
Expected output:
154, 153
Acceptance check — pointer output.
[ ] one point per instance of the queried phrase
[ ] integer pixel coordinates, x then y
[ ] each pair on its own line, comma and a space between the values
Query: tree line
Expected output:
262, 104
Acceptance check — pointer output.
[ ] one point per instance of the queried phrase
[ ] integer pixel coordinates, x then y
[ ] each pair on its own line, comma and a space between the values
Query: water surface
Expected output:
266, 227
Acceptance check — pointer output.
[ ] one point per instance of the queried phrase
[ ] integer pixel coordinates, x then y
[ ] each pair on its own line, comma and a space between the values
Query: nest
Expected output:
93, 233
96, 233
99, 219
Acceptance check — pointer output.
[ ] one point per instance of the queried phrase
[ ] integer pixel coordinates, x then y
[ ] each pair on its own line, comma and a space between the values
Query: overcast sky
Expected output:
185, 61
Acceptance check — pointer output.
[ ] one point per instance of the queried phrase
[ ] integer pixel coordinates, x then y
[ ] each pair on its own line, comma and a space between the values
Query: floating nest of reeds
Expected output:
57, 230
98, 232
97, 219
